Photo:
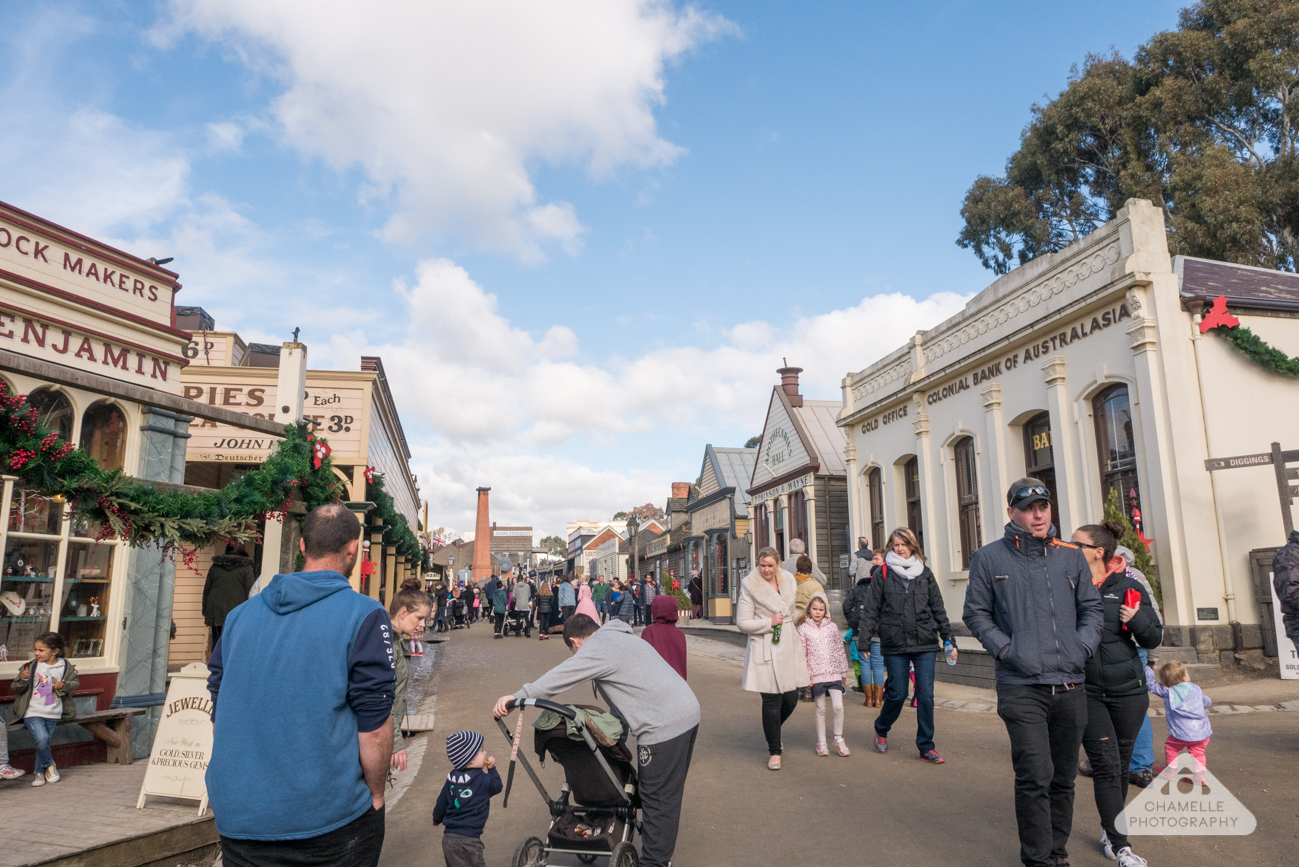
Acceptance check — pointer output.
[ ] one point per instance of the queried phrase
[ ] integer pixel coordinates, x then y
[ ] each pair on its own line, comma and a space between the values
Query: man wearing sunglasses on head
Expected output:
1032, 604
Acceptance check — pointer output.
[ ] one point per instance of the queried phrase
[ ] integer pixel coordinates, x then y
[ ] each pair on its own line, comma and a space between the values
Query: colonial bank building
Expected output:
1089, 370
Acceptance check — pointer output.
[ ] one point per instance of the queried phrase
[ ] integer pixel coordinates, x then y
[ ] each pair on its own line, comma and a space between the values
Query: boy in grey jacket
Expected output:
657, 706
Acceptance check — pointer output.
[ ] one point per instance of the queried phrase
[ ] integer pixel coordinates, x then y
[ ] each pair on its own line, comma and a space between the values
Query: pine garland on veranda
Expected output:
138, 514
1220, 321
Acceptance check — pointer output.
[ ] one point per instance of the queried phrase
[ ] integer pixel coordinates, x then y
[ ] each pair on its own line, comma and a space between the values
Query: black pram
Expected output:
459, 613
598, 807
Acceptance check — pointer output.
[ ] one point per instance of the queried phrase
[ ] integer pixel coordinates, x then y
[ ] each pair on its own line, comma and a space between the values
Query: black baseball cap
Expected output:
1027, 490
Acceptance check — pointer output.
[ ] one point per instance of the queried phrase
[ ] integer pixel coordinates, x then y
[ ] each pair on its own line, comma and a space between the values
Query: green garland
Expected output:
396, 529
139, 514
1258, 350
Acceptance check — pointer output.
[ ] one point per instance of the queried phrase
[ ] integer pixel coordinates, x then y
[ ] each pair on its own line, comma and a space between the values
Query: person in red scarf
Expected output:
664, 635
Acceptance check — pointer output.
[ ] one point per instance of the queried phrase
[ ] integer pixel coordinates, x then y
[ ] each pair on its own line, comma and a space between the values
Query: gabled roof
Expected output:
818, 444
732, 468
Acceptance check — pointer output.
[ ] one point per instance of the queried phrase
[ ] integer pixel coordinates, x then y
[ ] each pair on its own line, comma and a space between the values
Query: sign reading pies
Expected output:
334, 412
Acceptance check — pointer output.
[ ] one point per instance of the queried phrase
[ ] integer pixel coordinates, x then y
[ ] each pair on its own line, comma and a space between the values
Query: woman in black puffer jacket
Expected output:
1117, 699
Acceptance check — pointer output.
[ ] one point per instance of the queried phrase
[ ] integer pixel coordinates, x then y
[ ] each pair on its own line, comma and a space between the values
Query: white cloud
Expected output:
446, 106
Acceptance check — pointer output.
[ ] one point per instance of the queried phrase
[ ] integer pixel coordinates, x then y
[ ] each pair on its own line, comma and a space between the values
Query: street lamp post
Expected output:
632, 526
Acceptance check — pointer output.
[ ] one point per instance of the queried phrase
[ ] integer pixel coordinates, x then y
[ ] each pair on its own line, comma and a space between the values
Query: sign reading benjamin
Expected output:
183, 744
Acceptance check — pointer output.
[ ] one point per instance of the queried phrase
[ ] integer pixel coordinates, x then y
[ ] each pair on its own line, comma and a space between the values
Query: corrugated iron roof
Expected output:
818, 418
1242, 284
736, 468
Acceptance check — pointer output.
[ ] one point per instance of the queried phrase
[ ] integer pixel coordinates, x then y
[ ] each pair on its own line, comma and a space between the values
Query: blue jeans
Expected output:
895, 695
1143, 752
876, 675
602, 608
41, 730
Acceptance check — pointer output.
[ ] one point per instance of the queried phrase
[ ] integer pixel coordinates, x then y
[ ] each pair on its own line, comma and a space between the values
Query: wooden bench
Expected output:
113, 727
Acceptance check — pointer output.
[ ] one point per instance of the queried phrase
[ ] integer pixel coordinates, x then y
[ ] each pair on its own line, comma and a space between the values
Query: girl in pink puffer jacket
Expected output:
828, 666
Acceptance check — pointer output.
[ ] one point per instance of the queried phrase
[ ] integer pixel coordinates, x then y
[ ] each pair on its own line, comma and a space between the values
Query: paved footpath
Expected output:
866, 809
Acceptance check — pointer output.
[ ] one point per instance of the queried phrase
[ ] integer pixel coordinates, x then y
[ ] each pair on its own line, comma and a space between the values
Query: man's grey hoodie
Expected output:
651, 697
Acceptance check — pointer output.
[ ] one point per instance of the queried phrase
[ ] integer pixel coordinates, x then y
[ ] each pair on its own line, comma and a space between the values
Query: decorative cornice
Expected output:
921, 422
991, 396
1143, 334
898, 370
1053, 368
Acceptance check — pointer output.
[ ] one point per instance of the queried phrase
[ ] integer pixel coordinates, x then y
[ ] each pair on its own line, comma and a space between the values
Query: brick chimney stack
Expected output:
482, 565
681, 490
789, 382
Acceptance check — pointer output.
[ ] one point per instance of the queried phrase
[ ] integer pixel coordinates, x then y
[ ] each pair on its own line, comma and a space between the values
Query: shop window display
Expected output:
31, 511
26, 593
84, 597
103, 434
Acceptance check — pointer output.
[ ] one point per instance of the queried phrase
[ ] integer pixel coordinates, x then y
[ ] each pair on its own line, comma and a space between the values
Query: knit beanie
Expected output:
462, 747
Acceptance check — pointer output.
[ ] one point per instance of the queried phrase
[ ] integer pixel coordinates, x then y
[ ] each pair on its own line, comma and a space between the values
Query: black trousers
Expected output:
1045, 724
1112, 727
462, 851
356, 844
662, 774
500, 622
776, 708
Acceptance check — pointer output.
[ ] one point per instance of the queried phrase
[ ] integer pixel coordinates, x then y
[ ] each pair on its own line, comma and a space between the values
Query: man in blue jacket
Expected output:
1031, 602
302, 685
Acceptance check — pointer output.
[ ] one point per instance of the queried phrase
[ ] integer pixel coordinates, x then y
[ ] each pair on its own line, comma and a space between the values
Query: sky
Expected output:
581, 235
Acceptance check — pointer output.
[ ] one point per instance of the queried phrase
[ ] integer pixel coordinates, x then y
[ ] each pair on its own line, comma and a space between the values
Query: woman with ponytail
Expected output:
409, 610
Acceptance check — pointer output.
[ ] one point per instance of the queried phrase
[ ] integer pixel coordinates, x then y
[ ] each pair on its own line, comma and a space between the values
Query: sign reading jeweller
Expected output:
182, 745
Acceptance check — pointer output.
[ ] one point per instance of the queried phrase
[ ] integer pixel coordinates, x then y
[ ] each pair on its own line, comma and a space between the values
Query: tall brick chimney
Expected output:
789, 382
681, 490
482, 565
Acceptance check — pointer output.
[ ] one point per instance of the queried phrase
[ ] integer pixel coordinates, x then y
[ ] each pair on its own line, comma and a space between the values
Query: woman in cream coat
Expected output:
776, 670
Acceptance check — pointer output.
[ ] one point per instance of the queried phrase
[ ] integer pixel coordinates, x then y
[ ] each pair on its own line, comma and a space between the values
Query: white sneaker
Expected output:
1106, 849
1128, 858
52, 774
38, 780
8, 772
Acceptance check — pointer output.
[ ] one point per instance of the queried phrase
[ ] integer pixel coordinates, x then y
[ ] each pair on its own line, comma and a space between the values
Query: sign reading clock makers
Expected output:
182, 745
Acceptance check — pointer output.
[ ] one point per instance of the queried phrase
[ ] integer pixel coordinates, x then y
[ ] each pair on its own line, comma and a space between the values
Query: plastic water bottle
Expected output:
775, 634
950, 651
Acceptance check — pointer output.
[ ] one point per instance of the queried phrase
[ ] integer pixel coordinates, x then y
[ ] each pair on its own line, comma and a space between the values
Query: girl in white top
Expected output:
44, 688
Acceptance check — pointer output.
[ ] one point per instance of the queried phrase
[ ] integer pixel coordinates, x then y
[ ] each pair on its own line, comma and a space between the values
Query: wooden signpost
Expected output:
1279, 461
183, 743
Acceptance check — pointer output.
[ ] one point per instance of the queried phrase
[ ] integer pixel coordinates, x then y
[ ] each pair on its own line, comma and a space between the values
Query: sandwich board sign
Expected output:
183, 743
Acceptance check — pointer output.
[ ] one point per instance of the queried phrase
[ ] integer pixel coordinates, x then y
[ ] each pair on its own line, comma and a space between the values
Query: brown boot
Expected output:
877, 696
868, 692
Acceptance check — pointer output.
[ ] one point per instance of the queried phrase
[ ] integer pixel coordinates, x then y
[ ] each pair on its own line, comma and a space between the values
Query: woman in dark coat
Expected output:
226, 587
1117, 698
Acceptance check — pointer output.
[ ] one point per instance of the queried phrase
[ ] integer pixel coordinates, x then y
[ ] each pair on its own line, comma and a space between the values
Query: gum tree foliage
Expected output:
1203, 121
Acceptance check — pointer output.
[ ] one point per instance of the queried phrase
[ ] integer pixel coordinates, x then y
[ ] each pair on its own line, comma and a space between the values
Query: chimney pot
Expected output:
789, 382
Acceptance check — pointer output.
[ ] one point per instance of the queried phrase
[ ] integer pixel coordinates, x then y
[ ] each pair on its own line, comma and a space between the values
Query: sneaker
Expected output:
1128, 858
8, 772
38, 780
1141, 778
52, 774
821, 750
1106, 849
881, 744
932, 757
841, 746
773, 763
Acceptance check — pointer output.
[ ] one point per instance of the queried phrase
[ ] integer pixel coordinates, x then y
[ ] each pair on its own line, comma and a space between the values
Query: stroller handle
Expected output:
562, 710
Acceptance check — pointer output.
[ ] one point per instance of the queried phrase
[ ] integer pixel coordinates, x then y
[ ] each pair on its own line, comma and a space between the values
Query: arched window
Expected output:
875, 483
54, 411
103, 434
1116, 442
911, 475
1039, 456
967, 499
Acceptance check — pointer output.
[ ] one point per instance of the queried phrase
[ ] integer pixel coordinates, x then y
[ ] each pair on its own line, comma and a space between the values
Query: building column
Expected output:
359, 508
376, 557
854, 487
1065, 448
784, 508
935, 552
290, 385
811, 525
998, 474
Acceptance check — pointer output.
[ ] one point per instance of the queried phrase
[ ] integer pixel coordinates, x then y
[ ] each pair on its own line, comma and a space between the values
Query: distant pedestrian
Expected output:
476, 603
625, 608
696, 595
1032, 604
1185, 706
567, 598
773, 663
7, 771
465, 800
500, 596
545, 604
585, 605
905, 607
664, 635
440, 623
806, 584
1285, 583
1141, 770
229, 581
638, 602
827, 666
409, 609
316, 658
44, 688
600, 595
797, 548
870, 658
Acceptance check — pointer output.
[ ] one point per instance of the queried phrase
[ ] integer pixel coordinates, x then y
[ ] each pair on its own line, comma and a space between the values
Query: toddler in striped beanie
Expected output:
463, 804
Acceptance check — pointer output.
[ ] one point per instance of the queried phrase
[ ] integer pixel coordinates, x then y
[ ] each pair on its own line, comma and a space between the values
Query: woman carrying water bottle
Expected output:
774, 664
905, 609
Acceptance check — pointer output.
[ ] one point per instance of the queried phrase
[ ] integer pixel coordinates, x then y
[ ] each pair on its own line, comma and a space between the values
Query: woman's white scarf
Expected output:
911, 567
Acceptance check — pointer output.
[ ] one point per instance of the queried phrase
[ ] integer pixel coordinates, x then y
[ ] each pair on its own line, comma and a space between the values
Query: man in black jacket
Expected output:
1031, 602
1285, 581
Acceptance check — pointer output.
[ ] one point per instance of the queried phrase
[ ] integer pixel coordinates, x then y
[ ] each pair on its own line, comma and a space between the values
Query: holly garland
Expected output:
396, 529
1246, 342
139, 514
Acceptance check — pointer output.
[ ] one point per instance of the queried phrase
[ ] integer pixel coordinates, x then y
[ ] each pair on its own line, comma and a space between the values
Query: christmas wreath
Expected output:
1246, 342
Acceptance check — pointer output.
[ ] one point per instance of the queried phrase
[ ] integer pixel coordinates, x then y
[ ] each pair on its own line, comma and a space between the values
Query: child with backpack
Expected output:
827, 664
1185, 705
44, 688
465, 800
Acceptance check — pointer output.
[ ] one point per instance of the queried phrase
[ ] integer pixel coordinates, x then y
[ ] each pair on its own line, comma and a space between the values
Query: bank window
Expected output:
1039, 455
798, 516
875, 484
967, 495
54, 411
103, 435
1116, 440
911, 476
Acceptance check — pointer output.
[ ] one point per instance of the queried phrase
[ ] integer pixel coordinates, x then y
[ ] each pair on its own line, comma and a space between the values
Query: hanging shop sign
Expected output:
335, 412
182, 746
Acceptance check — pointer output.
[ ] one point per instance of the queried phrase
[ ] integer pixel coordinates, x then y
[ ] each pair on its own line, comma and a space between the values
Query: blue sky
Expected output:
581, 235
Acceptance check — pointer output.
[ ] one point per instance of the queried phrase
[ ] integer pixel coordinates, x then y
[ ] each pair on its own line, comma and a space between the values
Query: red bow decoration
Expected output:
1218, 316
369, 475
320, 450
367, 568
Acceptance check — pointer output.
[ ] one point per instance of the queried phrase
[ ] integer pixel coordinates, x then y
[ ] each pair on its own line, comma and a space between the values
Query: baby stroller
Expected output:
597, 812
516, 622
459, 613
